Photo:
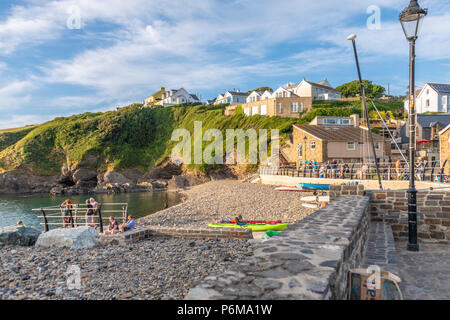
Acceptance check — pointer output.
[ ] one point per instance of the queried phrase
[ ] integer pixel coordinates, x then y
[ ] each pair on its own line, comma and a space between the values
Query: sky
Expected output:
64, 57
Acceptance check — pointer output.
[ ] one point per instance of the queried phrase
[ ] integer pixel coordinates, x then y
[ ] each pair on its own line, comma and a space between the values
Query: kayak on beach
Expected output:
312, 186
233, 221
253, 227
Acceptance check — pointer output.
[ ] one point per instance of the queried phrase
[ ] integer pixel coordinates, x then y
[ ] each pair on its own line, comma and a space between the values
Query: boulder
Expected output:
19, 236
73, 238
113, 177
177, 182
85, 174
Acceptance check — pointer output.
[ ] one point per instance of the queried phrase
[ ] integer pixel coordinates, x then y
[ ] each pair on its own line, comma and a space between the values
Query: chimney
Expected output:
355, 119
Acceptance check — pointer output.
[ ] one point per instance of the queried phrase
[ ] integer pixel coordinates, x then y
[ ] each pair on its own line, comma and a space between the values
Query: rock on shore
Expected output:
72, 238
20, 236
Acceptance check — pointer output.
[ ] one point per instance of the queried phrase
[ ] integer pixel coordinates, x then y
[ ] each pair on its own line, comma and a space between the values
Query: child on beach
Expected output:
113, 226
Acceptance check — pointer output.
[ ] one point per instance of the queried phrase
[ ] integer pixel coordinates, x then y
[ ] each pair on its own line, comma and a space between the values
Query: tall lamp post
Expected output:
411, 19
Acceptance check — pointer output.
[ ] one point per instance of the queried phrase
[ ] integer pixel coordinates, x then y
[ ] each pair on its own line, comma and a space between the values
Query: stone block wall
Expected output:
151, 232
433, 214
337, 191
311, 259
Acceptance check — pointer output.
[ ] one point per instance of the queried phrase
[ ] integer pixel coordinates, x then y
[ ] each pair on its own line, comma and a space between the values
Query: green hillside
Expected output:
132, 136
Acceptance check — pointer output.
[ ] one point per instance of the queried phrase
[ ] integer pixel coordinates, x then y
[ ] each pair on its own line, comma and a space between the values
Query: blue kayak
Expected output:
311, 186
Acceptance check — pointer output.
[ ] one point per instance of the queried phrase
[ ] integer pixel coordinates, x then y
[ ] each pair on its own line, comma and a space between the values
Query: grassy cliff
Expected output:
132, 136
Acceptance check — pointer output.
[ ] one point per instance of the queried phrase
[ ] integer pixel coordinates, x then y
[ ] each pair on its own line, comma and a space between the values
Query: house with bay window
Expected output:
232, 97
434, 97
343, 143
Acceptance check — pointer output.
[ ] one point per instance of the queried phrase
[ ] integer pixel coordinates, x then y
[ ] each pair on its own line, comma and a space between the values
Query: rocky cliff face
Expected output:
75, 180
22, 181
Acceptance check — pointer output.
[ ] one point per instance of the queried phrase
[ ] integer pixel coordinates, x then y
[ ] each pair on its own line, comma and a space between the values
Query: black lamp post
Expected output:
411, 19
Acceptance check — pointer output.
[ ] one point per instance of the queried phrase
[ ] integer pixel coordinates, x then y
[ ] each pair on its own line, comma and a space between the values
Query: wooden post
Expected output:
45, 221
76, 215
100, 217
124, 214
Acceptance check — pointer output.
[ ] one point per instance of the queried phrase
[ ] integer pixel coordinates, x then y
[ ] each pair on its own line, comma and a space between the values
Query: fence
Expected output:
432, 172
77, 214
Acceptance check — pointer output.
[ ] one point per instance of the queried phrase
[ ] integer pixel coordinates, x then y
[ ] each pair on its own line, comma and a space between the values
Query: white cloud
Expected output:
17, 121
15, 95
201, 45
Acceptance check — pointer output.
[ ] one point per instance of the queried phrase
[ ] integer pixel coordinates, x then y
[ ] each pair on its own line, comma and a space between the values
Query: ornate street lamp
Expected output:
411, 19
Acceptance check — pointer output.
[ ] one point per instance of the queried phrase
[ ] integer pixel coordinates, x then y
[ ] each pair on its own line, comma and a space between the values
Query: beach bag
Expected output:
373, 284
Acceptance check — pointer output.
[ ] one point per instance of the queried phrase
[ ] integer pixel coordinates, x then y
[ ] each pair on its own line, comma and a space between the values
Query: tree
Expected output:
261, 89
352, 89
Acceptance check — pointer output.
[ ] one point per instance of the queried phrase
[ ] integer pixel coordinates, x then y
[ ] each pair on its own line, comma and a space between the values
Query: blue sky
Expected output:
64, 57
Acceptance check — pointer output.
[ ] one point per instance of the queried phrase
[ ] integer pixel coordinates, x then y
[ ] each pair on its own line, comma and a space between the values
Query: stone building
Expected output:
444, 139
348, 144
289, 107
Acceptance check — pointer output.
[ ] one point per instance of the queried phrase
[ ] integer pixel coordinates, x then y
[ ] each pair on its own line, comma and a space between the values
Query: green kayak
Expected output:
254, 227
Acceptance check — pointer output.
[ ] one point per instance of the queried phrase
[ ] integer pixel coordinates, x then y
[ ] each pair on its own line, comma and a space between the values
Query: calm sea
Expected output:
19, 207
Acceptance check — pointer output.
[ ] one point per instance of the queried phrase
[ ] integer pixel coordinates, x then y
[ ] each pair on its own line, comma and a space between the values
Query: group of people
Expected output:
331, 169
92, 209
335, 170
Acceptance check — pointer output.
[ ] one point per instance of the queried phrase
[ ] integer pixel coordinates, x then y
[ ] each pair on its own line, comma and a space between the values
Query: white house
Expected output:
318, 91
232, 97
173, 97
254, 96
433, 97
267, 95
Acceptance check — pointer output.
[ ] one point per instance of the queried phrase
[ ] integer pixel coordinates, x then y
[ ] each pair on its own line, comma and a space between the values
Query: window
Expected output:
313, 145
301, 107
247, 111
263, 110
345, 121
300, 150
255, 110
351, 146
378, 146
278, 107
444, 100
428, 103
329, 121
294, 107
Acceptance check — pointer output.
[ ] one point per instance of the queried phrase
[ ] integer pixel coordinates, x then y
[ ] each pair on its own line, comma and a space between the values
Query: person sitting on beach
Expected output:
129, 225
113, 226
89, 214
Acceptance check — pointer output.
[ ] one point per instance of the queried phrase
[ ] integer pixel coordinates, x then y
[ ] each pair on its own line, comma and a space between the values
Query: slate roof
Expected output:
430, 120
340, 134
439, 87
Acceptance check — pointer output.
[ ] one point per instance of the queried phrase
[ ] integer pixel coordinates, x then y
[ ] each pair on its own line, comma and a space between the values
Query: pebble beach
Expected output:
155, 269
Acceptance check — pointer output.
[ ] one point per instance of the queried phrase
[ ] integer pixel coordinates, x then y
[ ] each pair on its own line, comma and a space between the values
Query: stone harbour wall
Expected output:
199, 233
433, 214
310, 260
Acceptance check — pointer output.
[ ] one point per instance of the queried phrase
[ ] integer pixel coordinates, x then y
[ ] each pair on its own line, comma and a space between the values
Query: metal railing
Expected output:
432, 172
77, 214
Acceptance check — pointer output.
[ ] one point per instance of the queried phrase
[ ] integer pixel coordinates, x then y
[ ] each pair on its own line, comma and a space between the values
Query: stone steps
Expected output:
380, 249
